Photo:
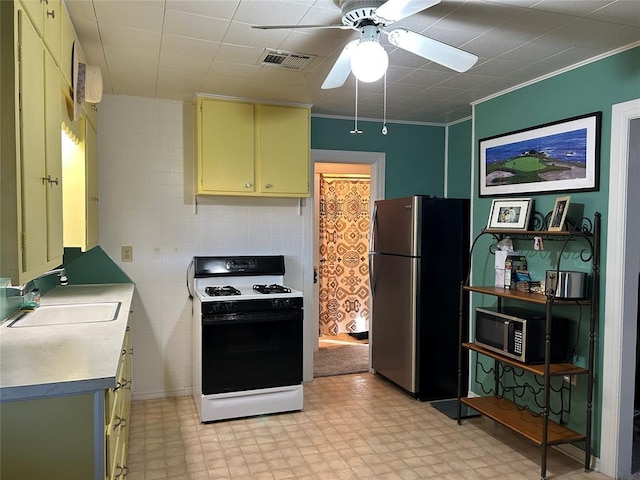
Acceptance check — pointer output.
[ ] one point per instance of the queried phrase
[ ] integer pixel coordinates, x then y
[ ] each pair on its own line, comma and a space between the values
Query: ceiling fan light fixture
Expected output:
369, 61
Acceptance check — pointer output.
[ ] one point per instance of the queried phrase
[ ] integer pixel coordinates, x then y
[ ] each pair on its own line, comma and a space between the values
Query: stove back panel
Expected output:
238, 266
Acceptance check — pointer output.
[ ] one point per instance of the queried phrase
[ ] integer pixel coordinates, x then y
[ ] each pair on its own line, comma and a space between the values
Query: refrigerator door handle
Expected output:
373, 228
372, 232
372, 280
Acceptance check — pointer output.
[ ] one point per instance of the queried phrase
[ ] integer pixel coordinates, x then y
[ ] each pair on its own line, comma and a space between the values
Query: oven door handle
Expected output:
253, 317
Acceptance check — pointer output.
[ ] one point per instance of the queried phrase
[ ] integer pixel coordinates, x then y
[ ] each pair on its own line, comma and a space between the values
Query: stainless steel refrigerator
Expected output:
419, 256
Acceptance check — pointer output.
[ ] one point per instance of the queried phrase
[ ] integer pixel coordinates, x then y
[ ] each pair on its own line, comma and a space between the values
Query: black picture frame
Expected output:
553, 157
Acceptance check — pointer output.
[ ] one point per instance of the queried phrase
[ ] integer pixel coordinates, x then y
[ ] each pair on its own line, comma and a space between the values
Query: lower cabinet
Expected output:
117, 417
82, 436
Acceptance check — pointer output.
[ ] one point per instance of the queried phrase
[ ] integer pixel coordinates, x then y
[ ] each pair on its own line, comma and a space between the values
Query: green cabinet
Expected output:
252, 149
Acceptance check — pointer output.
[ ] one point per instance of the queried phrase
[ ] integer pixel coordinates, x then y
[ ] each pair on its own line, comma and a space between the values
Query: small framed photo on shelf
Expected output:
559, 214
512, 214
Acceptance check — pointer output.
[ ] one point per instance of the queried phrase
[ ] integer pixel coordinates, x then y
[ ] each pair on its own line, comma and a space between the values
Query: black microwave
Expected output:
520, 334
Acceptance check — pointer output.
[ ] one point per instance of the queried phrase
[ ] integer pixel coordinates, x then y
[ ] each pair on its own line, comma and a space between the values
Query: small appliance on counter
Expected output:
567, 285
247, 338
519, 333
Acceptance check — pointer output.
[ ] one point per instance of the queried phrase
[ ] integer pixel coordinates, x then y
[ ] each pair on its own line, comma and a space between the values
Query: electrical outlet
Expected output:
572, 379
127, 254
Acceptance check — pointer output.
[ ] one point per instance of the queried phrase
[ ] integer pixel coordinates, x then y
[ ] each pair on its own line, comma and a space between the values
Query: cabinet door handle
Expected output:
247, 185
51, 13
50, 180
268, 185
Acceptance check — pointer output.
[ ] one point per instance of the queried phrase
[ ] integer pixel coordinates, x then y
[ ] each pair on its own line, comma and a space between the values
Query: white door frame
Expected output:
619, 352
376, 160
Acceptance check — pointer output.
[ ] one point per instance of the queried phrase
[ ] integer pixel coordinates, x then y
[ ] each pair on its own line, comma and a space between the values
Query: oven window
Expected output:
246, 355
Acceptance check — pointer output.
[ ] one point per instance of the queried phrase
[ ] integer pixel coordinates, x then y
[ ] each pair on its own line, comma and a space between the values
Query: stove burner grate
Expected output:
273, 288
221, 291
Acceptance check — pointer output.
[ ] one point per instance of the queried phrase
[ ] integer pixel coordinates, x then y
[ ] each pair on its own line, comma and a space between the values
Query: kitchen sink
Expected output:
68, 313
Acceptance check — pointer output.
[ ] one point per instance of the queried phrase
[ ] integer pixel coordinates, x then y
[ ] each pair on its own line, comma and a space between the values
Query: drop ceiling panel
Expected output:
166, 48
270, 12
222, 9
243, 34
181, 63
189, 46
146, 15
195, 26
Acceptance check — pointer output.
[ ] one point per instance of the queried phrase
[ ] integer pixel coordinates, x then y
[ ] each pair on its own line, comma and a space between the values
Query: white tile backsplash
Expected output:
146, 201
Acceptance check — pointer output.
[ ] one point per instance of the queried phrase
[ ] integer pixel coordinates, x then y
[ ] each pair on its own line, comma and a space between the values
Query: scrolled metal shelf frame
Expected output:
510, 382
584, 229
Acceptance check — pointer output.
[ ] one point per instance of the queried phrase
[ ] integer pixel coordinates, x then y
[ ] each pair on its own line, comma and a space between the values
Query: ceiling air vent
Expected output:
292, 61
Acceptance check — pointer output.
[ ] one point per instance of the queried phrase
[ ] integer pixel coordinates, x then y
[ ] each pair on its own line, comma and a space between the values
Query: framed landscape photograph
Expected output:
559, 214
510, 214
558, 156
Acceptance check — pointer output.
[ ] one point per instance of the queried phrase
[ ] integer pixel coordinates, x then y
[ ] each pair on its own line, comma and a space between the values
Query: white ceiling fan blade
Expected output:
394, 10
277, 27
341, 69
438, 52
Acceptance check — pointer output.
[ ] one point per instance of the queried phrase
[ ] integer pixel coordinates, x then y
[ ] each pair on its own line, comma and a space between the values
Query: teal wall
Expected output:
459, 146
414, 153
593, 87
94, 266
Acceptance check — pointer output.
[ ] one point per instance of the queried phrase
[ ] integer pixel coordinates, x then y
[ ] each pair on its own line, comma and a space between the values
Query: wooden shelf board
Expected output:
522, 296
521, 421
538, 369
538, 233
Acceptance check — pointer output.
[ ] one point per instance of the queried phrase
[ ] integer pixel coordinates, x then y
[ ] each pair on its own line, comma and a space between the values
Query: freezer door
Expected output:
393, 322
396, 226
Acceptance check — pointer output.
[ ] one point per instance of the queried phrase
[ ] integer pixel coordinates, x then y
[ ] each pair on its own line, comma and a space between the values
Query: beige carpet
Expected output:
340, 359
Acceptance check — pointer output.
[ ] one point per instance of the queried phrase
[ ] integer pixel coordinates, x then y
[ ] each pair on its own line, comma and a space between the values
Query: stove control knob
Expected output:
281, 302
231, 307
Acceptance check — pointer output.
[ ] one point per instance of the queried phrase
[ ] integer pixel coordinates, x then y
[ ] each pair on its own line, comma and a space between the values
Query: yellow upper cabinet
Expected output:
80, 192
31, 161
225, 147
252, 149
68, 36
283, 142
46, 16
40, 153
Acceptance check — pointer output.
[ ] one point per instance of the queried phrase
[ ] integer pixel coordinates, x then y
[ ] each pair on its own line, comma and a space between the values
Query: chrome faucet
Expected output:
22, 290
61, 272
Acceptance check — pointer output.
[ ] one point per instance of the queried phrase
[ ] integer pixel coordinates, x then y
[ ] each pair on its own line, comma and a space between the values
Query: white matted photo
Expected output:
559, 214
510, 214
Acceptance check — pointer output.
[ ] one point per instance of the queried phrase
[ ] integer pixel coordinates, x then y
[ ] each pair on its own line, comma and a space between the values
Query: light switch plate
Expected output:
127, 253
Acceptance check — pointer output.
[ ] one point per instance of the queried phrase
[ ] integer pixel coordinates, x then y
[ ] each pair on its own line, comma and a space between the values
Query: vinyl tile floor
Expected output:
352, 427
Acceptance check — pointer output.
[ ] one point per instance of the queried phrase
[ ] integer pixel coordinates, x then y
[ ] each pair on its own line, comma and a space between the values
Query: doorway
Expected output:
621, 292
342, 222
341, 162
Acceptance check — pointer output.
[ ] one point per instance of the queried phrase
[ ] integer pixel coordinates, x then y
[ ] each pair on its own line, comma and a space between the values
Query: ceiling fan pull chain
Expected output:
355, 127
384, 108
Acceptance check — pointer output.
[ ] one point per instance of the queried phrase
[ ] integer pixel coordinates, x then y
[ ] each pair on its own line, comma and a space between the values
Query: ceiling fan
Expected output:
366, 57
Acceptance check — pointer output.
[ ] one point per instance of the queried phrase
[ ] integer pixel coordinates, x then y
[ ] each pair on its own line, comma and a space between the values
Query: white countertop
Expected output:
65, 359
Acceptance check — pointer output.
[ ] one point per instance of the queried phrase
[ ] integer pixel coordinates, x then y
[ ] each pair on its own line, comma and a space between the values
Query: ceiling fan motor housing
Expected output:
355, 12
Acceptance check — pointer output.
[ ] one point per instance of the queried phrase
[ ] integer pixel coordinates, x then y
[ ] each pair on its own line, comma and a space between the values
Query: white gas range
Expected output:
247, 356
